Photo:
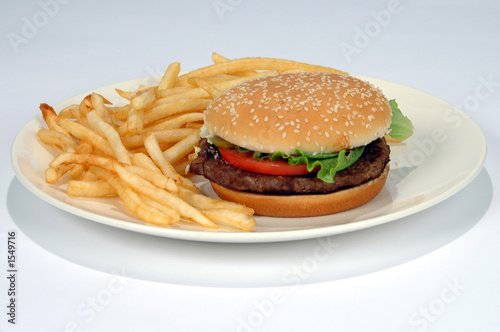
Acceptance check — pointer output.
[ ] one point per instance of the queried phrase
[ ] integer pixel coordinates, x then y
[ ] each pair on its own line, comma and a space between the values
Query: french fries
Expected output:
96, 188
138, 152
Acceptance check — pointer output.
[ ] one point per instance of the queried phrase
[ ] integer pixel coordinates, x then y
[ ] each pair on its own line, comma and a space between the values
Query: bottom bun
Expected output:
306, 205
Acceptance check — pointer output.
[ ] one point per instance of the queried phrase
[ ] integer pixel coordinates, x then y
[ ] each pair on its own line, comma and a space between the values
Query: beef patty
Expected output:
210, 164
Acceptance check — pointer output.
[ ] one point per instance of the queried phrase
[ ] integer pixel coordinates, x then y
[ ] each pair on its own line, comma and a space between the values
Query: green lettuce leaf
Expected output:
401, 127
329, 163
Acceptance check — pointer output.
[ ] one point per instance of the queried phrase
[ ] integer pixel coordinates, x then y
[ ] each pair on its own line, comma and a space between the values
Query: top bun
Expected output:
315, 112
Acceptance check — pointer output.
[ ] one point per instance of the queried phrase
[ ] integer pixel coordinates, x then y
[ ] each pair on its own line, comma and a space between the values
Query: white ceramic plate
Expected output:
446, 152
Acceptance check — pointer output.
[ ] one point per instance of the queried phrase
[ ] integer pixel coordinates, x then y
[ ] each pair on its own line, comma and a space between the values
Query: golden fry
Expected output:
163, 111
126, 94
158, 179
175, 122
211, 79
85, 105
175, 215
132, 201
69, 158
69, 111
182, 148
51, 119
231, 218
54, 174
217, 58
153, 148
52, 137
168, 79
99, 188
98, 124
135, 122
87, 134
98, 102
163, 197
164, 97
180, 167
120, 113
142, 160
207, 203
245, 64
208, 87
143, 99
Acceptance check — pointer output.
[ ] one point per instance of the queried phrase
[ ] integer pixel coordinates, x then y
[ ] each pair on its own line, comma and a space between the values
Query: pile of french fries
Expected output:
139, 151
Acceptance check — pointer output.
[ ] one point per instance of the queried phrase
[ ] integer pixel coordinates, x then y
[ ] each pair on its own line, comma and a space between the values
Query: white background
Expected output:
435, 271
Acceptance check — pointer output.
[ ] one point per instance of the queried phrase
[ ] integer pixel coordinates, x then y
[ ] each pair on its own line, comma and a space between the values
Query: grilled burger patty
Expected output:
211, 165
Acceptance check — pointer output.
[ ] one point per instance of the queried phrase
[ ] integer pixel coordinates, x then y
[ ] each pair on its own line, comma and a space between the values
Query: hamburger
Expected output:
299, 144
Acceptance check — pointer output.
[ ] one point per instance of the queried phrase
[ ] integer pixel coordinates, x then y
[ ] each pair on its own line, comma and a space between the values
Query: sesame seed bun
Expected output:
306, 205
316, 112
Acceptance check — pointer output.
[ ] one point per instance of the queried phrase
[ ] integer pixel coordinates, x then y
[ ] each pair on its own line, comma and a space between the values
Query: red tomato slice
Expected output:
273, 167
